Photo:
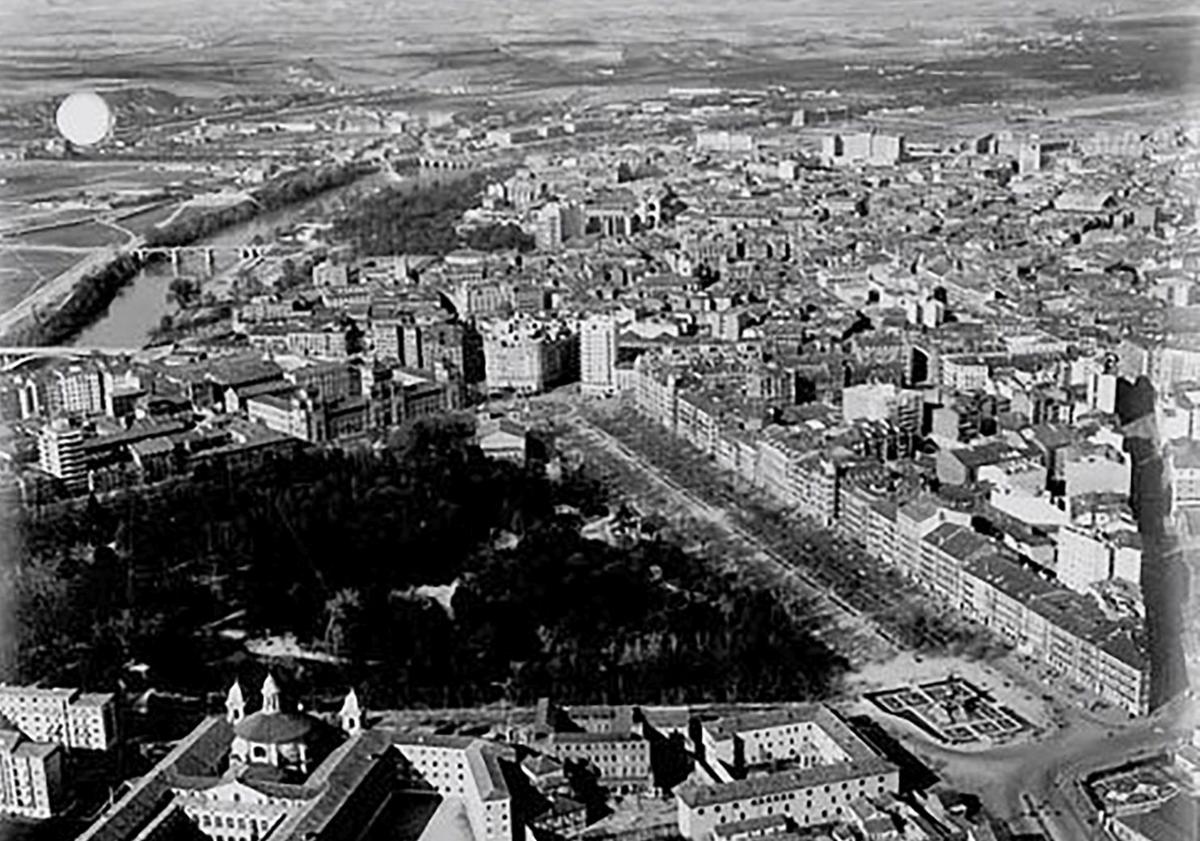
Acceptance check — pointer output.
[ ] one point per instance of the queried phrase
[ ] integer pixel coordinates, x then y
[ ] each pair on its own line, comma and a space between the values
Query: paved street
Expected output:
1015, 779
869, 641
1044, 775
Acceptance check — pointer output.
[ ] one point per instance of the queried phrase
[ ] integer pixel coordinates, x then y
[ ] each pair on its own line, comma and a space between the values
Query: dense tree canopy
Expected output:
506, 237
331, 546
411, 221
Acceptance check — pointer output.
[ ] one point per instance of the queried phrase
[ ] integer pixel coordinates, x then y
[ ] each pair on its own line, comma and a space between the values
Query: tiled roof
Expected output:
747, 722
337, 778
750, 825
138, 806
578, 738
696, 795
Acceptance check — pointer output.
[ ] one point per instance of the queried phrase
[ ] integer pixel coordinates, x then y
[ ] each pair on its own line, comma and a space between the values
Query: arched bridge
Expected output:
13, 357
176, 254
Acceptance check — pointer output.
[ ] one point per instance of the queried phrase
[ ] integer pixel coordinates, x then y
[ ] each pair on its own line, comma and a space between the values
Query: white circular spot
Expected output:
84, 118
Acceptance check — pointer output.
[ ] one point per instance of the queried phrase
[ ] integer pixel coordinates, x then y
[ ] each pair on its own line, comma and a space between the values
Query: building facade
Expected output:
598, 355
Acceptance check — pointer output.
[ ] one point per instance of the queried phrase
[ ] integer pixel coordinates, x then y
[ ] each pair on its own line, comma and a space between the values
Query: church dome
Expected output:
275, 728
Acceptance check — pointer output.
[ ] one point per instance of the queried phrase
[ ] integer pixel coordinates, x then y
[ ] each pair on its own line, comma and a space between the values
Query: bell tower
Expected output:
351, 714
235, 704
270, 695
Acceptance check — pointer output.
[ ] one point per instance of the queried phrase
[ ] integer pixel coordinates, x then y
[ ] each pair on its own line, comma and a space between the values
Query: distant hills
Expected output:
221, 47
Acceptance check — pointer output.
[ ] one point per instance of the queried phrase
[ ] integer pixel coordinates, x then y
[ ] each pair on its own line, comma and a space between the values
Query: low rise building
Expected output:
840, 768
623, 758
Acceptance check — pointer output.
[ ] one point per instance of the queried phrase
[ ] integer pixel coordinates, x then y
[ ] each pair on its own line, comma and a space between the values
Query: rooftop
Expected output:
695, 795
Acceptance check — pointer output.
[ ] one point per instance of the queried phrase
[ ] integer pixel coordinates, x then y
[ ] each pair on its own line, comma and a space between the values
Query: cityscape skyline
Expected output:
562, 422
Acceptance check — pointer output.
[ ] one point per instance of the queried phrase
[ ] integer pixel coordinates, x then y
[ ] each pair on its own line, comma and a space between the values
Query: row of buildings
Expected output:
1033, 580
223, 413
39, 729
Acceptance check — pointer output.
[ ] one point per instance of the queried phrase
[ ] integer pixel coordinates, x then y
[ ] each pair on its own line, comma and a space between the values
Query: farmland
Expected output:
33, 180
143, 222
88, 234
22, 269
19, 217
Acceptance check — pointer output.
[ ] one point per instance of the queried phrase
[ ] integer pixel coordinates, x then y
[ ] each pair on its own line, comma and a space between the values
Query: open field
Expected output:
19, 217
144, 221
23, 269
80, 235
30, 180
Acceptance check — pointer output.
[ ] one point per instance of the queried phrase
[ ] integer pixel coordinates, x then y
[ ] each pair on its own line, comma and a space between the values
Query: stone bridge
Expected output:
209, 253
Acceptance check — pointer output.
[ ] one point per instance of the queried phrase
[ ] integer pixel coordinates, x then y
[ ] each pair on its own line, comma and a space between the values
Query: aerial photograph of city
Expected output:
514, 420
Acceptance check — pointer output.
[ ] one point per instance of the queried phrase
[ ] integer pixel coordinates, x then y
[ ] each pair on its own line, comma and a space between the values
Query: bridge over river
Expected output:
13, 356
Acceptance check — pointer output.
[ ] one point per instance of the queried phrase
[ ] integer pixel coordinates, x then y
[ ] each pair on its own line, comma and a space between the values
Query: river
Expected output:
139, 308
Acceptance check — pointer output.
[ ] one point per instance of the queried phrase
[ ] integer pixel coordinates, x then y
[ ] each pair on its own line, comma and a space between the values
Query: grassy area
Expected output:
18, 217
80, 235
24, 180
22, 269
144, 221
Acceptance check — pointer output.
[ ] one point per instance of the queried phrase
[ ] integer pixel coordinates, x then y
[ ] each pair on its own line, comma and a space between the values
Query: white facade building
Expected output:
60, 453
30, 776
465, 768
529, 356
836, 767
74, 719
598, 355
1084, 558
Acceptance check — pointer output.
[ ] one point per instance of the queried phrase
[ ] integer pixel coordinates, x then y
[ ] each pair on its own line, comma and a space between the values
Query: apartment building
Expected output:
883, 402
1066, 631
1183, 464
838, 768
60, 453
598, 355
1094, 468
623, 758
697, 420
869, 518
466, 768
429, 345
529, 356
1085, 556
329, 342
68, 717
964, 374
31, 775
36, 727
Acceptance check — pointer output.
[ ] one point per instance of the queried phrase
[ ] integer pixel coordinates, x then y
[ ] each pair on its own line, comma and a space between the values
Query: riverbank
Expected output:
92, 294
